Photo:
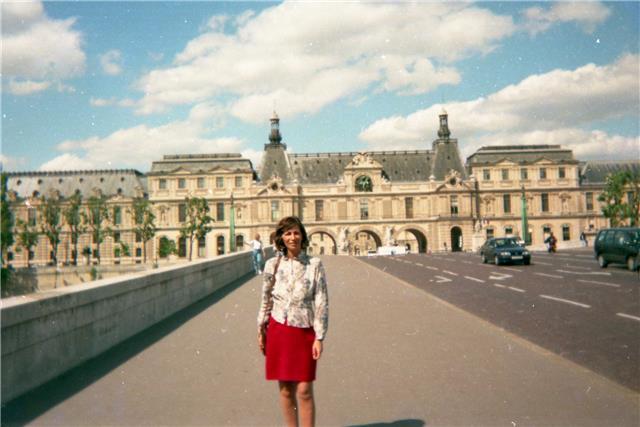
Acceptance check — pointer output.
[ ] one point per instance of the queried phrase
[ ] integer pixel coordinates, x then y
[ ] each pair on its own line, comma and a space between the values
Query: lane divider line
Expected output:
474, 279
555, 276
566, 301
543, 263
498, 285
513, 288
450, 272
613, 285
628, 316
431, 268
511, 269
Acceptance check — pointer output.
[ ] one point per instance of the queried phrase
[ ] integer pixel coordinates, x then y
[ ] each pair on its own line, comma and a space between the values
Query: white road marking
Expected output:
543, 263
613, 285
474, 279
450, 272
431, 268
628, 316
499, 276
593, 273
579, 304
578, 267
555, 276
417, 263
499, 285
513, 288
467, 262
511, 269
442, 279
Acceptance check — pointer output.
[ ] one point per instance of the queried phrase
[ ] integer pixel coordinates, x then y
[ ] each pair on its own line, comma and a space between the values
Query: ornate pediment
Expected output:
363, 160
274, 185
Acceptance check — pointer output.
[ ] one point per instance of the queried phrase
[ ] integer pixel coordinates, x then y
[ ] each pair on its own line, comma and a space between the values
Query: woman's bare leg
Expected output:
306, 404
288, 402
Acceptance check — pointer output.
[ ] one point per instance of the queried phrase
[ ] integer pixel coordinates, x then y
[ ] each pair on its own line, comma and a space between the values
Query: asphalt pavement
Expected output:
394, 355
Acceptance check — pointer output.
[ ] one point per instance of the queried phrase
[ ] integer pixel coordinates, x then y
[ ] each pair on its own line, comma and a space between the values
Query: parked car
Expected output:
502, 250
618, 246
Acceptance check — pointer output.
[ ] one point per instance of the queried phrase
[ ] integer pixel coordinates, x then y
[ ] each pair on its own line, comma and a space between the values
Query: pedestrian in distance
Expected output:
551, 243
293, 320
257, 254
583, 238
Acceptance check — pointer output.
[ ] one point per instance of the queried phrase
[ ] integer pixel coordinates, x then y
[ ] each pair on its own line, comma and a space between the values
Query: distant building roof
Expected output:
596, 172
124, 182
521, 154
201, 163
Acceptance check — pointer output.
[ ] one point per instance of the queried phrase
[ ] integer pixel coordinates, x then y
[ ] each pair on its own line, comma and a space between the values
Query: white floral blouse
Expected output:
298, 296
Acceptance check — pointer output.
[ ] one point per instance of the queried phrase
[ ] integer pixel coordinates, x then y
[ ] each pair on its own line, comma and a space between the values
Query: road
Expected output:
563, 302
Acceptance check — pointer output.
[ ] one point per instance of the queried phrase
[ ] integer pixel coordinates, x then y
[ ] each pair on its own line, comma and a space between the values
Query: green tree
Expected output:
197, 221
166, 247
618, 208
6, 216
73, 217
27, 237
96, 215
50, 224
144, 220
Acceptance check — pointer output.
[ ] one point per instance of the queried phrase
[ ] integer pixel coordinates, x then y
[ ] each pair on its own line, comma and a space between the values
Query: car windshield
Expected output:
506, 242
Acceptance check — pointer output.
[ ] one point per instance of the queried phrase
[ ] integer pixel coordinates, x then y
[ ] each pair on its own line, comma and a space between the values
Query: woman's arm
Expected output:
266, 301
321, 304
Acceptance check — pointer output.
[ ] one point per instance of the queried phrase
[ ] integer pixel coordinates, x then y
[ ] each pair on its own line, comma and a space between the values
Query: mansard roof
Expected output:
596, 172
201, 163
123, 182
520, 154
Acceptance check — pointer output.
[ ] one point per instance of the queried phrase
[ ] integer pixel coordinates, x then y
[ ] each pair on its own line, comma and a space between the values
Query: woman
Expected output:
292, 321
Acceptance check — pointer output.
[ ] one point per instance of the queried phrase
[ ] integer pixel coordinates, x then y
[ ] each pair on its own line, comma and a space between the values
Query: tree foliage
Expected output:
6, 216
167, 247
50, 222
95, 217
197, 221
621, 198
27, 237
144, 222
73, 217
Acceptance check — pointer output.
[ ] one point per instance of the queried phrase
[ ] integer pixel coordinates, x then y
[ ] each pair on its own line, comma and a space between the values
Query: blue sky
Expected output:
102, 85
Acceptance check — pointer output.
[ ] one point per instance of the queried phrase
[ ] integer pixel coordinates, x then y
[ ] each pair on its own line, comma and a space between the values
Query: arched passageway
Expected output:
321, 243
456, 239
363, 242
416, 240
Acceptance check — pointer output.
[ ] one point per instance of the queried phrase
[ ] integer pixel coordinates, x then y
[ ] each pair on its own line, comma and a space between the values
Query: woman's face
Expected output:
293, 240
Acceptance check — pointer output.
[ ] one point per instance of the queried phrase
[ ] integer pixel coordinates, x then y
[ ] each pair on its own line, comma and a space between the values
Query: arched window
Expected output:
566, 232
239, 242
363, 183
220, 245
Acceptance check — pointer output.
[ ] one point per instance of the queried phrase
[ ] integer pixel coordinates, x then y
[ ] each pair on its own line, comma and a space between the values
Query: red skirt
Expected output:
289, 353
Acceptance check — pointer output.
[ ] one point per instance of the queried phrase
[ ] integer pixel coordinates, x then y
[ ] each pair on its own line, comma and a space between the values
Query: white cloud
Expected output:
138, 146
111, 62
586, 14
306, 56
554, 107
107, 102
27, 87
8, 163
38, 48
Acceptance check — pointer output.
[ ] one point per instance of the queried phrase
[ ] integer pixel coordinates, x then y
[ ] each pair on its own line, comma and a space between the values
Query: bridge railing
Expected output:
48, 333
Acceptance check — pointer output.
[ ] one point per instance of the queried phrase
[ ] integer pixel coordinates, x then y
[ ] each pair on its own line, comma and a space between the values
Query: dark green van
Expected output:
618, 246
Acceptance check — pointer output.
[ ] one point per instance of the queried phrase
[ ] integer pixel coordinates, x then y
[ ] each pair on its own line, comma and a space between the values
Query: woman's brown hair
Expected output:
288, 223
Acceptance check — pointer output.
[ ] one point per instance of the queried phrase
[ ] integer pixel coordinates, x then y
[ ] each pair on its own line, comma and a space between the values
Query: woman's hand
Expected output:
316, 350
262, 340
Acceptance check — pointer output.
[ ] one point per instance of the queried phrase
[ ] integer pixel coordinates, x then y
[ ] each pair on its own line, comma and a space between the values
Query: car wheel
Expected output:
484, 259
601, 262
632, 263
527, 261
496, 260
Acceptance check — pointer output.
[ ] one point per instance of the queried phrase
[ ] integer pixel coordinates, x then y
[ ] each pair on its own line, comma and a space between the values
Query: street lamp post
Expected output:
525, 228
232, 226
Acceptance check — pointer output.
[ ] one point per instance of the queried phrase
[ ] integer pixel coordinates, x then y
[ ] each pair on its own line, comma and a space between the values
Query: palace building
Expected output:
351, 203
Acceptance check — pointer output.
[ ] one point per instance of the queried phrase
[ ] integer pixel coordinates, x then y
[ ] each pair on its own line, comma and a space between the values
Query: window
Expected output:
239, 242
508, 231
363, 183
543, 173
31, 217
238, 182
546, 229
138, 252
453, 202
182, 247
588, 197
630, 197
486, 174
202, 246
116, 237
524, 174
544, 202
319, 210
162, 184
364, 209
182, 183
408, 207
220, 211
562, 173
489, 232
182, 212
220, 245
275, 210
219, 181
506, 203
117, 215
505, 174
201, 182
566, 235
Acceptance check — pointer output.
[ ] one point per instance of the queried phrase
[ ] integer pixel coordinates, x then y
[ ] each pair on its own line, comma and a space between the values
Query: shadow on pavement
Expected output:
399, 423
32, 404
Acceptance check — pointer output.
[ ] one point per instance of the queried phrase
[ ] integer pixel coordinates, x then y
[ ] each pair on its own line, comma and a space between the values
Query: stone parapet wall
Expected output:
48, 333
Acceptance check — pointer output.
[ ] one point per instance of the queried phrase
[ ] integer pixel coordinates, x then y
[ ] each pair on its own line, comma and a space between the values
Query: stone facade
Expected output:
351, 203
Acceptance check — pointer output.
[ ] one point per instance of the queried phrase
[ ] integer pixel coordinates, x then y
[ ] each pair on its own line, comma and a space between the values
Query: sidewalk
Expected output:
393, 354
